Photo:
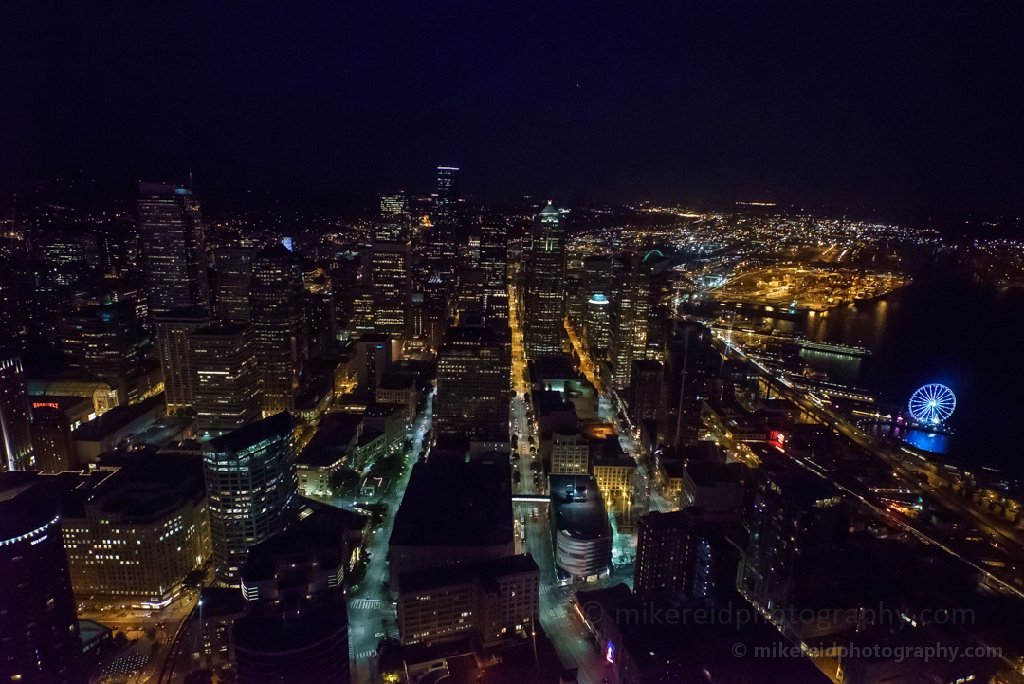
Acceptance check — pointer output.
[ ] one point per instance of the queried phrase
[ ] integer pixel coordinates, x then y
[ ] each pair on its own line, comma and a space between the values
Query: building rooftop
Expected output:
578, 507
116, 419
717, 474
146, 487
557, 367
456, 504
274, 427
487, 572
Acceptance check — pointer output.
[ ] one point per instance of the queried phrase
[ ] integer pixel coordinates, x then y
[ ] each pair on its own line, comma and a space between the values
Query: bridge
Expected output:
530, 498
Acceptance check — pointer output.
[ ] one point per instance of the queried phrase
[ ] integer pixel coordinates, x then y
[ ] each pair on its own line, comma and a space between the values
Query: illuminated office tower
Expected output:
233, 268
104, 342
494, 263
173, 246
251, 482
472, 384
597, 331
394, 206
172, 329
443, 252
15, 417
545, 285
39, 636
276, 301
391, 278
225, 377
629, 316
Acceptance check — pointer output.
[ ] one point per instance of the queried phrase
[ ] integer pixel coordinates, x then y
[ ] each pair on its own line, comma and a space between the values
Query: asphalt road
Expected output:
371, 603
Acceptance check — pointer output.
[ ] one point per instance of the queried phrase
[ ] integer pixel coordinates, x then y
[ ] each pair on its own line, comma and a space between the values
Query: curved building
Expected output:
39, 637
582, 534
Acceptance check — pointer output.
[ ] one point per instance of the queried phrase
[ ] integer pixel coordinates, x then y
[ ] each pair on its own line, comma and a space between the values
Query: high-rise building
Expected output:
443, 253
172, 330
597, 327
545, 285
135, 534
391, 278
39, 633
473, 370
104, 343
225, 377
394, 206
295, 630
629, 316
233, 269
15, 417
251, 482
494, 263
661, 552
277, 295
645, 381
797, 524
320, 312
173, 246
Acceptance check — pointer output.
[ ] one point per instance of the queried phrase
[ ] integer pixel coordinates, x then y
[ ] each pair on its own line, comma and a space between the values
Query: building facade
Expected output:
173, 246
251, 482
277, 314
545, 285
15, 417
225, 377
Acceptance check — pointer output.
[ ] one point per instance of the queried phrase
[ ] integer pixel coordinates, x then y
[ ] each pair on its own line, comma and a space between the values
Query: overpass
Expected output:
530, 498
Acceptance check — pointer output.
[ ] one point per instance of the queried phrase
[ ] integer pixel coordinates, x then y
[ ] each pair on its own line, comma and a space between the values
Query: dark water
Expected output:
942, 328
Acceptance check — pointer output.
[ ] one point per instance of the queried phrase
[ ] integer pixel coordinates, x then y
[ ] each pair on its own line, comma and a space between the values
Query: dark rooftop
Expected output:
116, 418
456, 504
274, 427
716, 474
221, 329
487, 572
556, 367
578, 507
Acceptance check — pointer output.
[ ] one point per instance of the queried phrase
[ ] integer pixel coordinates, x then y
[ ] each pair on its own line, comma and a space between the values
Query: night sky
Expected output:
891, 104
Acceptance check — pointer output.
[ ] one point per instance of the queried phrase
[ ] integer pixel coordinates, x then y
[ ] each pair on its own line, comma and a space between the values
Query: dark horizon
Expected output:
906, 109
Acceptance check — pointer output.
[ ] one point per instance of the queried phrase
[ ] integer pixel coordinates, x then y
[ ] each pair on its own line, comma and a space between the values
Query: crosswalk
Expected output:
367, 604
365, 654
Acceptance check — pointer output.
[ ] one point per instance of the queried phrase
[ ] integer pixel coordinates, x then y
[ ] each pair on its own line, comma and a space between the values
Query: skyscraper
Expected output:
443, 253
173, 246
172, 330
277, 295
660, 567
251, 481
796, 526
472, 384
225, 377
494, 263
645, 381
391, 278
233, 267
629, 316
597, 330
104, 342
15, 417
296, 626
39, 637
545, 285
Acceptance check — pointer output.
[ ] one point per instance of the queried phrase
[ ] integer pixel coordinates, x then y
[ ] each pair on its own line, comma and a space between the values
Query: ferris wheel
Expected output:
932, 404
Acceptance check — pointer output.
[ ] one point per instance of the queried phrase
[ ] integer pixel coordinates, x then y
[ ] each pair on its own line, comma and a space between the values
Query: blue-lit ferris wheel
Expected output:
932, 404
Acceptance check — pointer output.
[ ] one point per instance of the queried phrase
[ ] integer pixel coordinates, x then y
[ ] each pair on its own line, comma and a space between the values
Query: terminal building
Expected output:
580, 529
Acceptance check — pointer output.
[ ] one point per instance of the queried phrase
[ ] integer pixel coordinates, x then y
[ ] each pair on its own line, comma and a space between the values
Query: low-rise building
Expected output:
133, 535
580, 530
494, 599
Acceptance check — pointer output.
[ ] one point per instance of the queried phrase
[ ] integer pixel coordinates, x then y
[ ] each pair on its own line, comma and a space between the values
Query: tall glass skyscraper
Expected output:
276, 306
174, 247
443, 249
545, 285
251, 481
15, 417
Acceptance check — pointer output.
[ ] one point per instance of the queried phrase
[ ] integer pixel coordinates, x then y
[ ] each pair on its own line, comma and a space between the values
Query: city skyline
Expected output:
810, 105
